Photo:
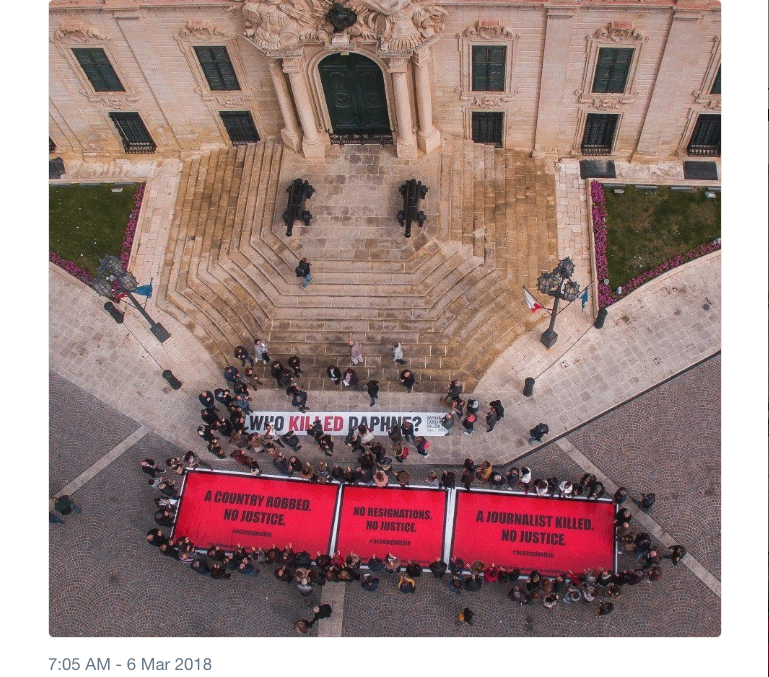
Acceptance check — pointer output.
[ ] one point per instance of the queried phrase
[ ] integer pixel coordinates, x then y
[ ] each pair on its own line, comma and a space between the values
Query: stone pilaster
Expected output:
291, 133
678, 61
555, 61
169, 101
428, 137
313, 144
406, 145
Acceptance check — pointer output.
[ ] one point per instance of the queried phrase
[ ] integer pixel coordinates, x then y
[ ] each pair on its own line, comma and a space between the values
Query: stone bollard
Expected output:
598, 324
175, 383
528, 387
117, 315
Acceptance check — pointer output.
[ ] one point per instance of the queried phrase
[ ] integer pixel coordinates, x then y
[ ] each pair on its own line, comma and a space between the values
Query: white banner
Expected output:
340, 422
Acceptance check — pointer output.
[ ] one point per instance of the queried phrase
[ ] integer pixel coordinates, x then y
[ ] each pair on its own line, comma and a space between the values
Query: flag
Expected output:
533, 304
145, 290
583, 298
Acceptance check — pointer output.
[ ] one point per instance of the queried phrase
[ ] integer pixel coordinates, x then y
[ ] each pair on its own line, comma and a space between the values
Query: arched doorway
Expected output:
355, 94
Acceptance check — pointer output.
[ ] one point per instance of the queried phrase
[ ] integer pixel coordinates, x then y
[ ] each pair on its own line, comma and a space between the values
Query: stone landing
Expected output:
451, 294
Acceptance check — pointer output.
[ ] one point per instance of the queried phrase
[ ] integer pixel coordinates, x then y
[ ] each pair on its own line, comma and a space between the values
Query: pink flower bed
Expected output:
125, 250
606, 295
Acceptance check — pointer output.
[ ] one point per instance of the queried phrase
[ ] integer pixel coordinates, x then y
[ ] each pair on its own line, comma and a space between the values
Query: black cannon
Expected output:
298, 193
413, 191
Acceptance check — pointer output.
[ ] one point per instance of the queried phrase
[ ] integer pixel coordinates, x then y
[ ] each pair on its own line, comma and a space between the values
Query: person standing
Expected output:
408, 380
469, 424
303, 270
407, 429
448, 423
356, 355
466, 616
64, 505
260, 350
620, 496
538, 433
334, 373
422, 446
350, 379
296, 365
206, 398
299, 399
242, 354
677, 553
320, 612
491, 419
647, 501
372, 388
398, 353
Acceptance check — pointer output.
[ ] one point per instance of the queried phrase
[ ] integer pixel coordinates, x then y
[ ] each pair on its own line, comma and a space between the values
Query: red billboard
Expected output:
409, 523
225, 509
551, 535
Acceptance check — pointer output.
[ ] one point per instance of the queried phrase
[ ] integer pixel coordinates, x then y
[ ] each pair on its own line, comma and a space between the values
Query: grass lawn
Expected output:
647, 228
87, 222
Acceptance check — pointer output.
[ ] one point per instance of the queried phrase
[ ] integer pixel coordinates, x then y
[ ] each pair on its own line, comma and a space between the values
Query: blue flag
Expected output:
146, 290
583, 298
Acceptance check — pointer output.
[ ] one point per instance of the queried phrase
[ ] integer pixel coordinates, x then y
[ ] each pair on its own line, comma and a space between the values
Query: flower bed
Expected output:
606, 293
99, 222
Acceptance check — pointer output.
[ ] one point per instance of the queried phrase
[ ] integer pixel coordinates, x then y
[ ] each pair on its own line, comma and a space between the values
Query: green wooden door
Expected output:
355, 94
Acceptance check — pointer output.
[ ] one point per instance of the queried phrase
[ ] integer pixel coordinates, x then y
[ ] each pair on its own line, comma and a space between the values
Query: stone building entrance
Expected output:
354, 89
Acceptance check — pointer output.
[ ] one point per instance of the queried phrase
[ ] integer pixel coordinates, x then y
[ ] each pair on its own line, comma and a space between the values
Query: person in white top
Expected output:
398, 353
260, 350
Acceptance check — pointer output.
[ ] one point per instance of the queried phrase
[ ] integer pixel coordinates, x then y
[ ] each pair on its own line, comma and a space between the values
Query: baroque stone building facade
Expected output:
627, 79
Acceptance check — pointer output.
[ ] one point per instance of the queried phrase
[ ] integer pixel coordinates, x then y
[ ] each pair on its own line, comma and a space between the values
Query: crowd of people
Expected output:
598, 588
377, 464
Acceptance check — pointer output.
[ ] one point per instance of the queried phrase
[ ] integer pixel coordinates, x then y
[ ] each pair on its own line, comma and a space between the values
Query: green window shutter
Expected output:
488, 73
98, 69
217, 68
716, 88
611, 70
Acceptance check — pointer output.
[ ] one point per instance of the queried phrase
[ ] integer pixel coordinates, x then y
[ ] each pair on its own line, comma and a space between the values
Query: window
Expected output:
487, 128
706, 137
240, 126
612, 70
716, 88
133, 133
599, 134
98, 69
217, 68
489, 68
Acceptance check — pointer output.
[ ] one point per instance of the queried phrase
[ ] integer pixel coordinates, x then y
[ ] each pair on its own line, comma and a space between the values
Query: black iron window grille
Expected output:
706, 137
240, 126
133, 133
598, 137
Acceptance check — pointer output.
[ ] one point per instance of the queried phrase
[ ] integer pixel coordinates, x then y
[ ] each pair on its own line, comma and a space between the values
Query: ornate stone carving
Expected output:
620, 31
277, 26
77, 31
609, 103
114, 100
406, 25
487, 100
285, 24
202, 29
489, 29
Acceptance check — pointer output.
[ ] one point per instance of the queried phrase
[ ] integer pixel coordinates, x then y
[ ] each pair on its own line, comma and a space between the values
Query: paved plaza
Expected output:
100, 562
614, 398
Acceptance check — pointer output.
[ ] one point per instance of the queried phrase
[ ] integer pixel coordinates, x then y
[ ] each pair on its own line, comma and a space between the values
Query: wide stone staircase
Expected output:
451, 294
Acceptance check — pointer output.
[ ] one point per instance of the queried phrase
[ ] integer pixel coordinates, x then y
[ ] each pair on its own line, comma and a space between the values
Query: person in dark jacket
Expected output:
296, 365
334, 373
408, 380
438, 568
207, 400
369, 583
372, 388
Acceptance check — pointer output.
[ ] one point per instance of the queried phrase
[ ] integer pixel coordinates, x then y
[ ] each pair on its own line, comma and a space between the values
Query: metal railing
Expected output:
704, 151
596, 150
139, 147
361, 139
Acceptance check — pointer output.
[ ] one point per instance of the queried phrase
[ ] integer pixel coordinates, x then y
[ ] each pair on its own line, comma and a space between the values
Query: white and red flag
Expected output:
533, 304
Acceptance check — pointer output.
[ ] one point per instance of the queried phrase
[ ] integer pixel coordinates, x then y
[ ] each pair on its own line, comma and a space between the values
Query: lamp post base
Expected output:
548, 338
160, 332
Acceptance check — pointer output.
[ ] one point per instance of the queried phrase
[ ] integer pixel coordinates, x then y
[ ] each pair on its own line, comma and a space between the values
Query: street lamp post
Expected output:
559, 285
111, 271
